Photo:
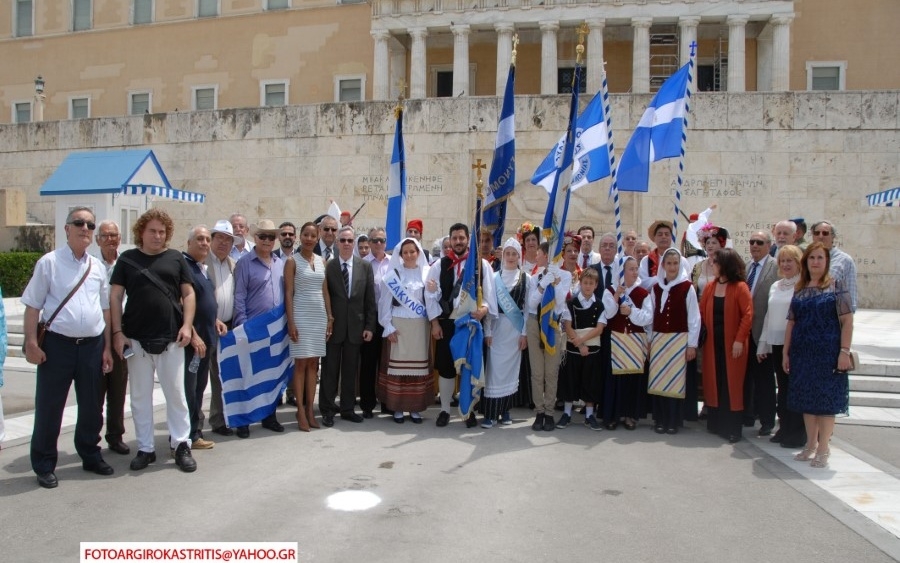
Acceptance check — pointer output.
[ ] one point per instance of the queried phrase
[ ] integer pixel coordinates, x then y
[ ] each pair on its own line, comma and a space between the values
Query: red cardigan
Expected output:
738, 321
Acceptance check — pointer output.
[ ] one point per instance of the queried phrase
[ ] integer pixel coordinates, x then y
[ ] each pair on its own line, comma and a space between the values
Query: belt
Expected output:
76, 341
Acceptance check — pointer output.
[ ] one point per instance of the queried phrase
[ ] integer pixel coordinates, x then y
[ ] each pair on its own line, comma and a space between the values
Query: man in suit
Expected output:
220, 267
587, 257
328, 228
759, 385
351, 286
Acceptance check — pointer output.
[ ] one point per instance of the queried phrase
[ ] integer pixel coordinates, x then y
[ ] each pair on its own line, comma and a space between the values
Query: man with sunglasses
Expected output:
351, 287
759, 383
287, 235
328, 227
76, 347
843, 268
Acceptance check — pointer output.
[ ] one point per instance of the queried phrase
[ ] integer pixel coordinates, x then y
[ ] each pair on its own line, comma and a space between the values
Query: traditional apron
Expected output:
667, 364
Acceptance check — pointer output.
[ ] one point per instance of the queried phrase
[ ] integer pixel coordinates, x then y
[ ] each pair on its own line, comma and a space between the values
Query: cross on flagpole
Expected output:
693, 47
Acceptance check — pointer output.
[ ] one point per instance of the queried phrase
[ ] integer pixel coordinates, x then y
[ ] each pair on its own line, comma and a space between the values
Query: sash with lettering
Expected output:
392, 282
508, 304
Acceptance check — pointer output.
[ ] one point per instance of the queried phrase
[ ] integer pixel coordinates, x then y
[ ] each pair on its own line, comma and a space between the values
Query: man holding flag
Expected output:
444, 287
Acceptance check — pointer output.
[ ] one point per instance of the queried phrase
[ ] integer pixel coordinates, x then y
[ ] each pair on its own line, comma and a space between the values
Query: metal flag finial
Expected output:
515, 46
582, 32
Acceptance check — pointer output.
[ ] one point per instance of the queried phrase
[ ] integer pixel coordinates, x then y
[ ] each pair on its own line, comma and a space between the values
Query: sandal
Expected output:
806, 455
821, 460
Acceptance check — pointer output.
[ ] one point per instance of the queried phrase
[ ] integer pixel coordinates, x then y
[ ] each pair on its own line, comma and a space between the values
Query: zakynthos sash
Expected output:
628, 352
667, 364
392, 282
508, 304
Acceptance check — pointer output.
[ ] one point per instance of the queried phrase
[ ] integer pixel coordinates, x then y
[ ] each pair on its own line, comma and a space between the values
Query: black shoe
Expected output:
272, 424
765, 431
472, 421
292, 401
328, 420
99, 467
47, 480
416, 419
351, 417
611, 425
119, 447
734, 439
223, 431
399, 419
672, 431
538, 422
243, 432
443, 419
564, 421
659, 429
142, 460
368, 414
592, 423
183, 458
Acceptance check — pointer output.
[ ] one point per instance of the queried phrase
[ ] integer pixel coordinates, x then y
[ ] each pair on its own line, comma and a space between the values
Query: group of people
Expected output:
626, 336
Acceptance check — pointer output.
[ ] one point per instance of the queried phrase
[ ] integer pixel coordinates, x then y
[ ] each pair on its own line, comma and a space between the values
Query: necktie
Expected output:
346, 274
608, 278
584, 261
752, 277
327, 253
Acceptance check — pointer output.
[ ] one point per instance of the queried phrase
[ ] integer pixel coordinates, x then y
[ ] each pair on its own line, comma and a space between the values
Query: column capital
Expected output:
737, 20
418, 32
642, 22
380, 34
504, 27
596, 23
549, 25
460, 29
782, 19
688, 21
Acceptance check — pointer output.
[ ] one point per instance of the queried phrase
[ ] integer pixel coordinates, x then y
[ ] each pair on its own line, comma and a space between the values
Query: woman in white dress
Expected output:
505, 337
405, 383
309, 320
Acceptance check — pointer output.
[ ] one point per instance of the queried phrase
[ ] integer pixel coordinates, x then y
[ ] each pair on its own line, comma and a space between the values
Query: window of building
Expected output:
139, 103
273, 92
81, 15
441, 81
127, 218
204, 97
24, 18
21, 112
278, 4
826, 75
564, 76
350, 88
207, 8
79, 108
142, 12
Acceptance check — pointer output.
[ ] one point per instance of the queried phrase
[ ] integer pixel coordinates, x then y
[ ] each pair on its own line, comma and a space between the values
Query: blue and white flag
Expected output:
658, 134
255, 365
502, 178
395, 225
591, 153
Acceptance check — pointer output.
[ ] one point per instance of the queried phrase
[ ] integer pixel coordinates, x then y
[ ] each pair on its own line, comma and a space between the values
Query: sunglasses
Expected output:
81, 222
266, 237
346, 240
757, 242
377, 240
822, 233
329, 229
290, 235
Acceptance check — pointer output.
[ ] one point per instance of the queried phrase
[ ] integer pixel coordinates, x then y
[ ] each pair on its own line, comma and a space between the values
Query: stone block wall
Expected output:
761, 157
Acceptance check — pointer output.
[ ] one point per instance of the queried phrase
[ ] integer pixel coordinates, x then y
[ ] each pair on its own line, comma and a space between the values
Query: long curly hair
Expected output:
137, 230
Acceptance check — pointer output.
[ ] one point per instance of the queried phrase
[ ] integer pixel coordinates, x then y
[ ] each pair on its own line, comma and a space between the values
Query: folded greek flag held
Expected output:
255, 364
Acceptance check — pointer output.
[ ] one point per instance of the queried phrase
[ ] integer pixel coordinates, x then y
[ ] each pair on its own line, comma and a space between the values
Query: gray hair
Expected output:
79, 209
765, 234
786, 223
608, 235
375, 230
346, 228
193, 232
108, 223
818, 224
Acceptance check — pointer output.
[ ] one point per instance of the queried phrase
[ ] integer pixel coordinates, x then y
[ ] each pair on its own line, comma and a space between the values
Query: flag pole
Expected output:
614, 187
479, 195
687, 109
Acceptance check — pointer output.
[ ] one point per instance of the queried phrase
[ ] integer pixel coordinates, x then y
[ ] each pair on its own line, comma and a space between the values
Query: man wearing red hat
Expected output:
414, 229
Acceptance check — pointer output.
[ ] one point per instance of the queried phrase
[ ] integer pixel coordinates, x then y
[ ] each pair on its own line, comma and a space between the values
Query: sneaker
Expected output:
506, 419
142, 460
201, 444
487, 423
592, 423
564, 421
183, 458
538, 422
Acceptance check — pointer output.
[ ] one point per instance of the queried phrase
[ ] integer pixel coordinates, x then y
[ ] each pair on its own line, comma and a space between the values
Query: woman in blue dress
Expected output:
817, 352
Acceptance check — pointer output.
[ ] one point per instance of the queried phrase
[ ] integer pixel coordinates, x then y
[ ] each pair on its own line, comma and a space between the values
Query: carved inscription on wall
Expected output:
718, 186
375, 187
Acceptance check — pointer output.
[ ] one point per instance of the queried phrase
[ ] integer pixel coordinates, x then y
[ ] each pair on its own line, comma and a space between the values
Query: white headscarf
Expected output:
625, 261
396, 261
511, 242
661, 276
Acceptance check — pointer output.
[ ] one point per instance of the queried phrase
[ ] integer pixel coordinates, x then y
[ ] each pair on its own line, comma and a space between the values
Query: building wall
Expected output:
760, 157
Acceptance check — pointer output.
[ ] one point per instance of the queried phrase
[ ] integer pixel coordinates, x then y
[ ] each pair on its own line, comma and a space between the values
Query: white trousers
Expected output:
169, 368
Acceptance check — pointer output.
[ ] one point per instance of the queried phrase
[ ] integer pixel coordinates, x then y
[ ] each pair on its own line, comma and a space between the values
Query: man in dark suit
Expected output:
351, 286
328, 228
759, 385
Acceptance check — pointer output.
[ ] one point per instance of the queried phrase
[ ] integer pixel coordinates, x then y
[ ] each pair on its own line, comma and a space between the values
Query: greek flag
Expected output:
255, 364
658, 135
591, 152
395, 226
502, 178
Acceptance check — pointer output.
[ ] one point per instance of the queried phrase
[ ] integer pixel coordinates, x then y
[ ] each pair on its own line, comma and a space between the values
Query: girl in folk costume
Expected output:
506, 337
676, 328
405, 383
579, 377
629, 309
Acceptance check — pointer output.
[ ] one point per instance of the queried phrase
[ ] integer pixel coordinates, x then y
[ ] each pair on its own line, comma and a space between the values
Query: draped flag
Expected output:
255, 364
466, 345
658, 134
395, 226
502, 178
591, 152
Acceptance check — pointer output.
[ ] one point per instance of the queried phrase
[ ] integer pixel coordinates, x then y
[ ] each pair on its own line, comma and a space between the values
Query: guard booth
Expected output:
117, 185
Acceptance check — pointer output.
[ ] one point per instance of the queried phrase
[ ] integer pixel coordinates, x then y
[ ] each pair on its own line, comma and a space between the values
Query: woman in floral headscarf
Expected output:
530, 238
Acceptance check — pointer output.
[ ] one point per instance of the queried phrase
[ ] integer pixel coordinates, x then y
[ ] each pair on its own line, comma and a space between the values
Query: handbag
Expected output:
42, 326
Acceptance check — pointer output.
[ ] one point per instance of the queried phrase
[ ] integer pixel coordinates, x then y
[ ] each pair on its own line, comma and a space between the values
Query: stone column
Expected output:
781, 52
737, 63
688, 25
640, 63
398, 69
504, 53
594, 66
549, 61
461, 85
417, 64
381, 67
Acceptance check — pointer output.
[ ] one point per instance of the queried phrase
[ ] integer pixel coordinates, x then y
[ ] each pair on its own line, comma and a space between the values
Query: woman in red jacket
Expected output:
727, 312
